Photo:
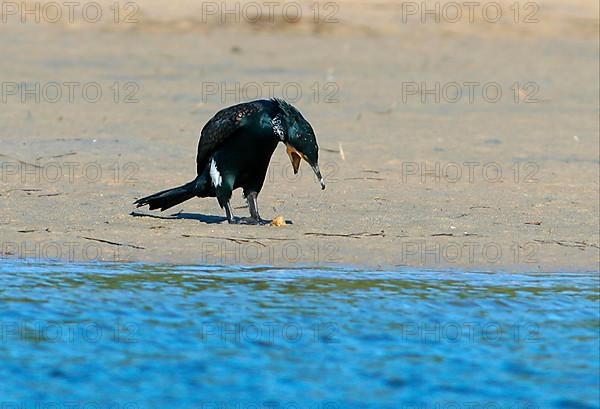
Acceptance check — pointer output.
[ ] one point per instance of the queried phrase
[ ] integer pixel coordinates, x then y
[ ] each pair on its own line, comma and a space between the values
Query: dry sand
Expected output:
414, 184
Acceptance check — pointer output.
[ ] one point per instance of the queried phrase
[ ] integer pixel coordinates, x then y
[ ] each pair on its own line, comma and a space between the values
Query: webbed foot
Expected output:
252, 221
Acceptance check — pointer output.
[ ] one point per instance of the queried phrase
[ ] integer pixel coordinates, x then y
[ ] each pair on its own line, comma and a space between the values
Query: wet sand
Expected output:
480, 181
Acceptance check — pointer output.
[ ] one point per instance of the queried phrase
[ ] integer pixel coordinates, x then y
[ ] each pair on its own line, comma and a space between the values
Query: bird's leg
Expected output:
253, 207
229, 214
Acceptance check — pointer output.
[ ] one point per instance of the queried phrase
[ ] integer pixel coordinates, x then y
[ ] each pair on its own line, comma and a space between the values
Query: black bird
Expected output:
234, 151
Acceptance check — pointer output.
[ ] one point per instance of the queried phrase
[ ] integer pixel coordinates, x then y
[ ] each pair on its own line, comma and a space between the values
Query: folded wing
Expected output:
220, 127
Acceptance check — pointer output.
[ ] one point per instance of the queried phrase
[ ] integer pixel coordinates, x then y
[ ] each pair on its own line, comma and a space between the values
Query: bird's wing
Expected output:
220, 127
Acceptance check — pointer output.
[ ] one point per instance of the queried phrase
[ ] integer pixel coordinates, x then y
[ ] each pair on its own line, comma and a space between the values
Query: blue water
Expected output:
150, 336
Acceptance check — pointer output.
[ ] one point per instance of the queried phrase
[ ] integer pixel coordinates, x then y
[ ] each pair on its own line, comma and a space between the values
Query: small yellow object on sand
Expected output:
278, 221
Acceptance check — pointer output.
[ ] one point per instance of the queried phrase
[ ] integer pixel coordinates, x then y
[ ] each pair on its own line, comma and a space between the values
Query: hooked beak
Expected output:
317, 171
295, 158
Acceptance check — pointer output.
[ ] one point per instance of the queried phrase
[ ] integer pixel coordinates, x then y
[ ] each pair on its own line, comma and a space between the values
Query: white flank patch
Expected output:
215, 176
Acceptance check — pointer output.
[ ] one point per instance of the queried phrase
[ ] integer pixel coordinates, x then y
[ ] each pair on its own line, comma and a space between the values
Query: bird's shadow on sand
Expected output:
204, 218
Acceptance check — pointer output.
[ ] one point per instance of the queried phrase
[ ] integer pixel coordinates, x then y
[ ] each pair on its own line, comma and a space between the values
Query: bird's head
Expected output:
299, 138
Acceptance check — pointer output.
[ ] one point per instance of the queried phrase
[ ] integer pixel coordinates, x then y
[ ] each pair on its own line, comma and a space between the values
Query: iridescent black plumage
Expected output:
234, 151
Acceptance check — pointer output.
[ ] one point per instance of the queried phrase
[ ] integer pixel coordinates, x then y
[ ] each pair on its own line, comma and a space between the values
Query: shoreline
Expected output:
336, 268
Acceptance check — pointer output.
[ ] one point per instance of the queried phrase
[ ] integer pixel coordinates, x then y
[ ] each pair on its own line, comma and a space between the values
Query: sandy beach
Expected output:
458, 144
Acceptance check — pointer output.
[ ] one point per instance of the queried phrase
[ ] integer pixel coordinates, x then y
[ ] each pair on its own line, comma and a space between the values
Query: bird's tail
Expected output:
169, 198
